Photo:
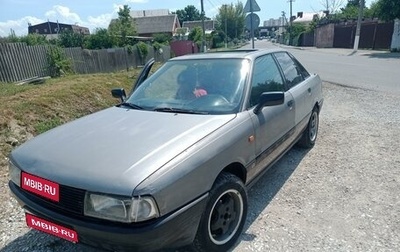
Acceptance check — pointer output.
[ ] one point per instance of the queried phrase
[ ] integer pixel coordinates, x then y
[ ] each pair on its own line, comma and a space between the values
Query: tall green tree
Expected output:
189, 13
123, 27
231, 18
388, 10
350, 11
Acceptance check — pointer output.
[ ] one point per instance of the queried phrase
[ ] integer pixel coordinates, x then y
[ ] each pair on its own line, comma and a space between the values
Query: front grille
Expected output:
71, 200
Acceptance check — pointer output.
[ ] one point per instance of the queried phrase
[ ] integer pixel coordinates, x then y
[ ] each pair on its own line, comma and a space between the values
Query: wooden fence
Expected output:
19, 61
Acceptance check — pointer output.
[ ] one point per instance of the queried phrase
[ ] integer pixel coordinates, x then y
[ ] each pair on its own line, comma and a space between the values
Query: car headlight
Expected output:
121, 209
14, 173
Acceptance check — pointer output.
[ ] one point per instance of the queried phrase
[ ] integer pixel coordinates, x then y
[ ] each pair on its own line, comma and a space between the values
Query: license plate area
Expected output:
51, 228
43, 187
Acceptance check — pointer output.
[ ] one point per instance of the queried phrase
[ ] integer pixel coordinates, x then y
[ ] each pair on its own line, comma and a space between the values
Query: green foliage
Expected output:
350, 12
129, 49
57, 62
189, 13
123, 27
231, 18
162, 38
295, 32
99, 40
69, 38
217, 39
34, 39
157, 46
12, 38
388, 10
143, 50
196, 34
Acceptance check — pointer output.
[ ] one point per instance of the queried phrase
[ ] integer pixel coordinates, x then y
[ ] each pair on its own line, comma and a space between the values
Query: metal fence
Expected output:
19, 61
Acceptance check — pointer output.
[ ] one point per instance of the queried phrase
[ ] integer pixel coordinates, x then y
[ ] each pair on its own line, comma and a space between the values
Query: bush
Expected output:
143, 50
57, 62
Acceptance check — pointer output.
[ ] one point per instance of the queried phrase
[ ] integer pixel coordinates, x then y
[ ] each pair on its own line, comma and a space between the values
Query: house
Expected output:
151, 22
52, 29
209, 25
148, 26
307, 17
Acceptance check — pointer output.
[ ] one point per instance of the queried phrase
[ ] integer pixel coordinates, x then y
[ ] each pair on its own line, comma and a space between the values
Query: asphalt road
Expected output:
374, 70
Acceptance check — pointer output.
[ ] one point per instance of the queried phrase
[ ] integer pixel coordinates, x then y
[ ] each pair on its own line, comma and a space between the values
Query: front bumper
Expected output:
172, 231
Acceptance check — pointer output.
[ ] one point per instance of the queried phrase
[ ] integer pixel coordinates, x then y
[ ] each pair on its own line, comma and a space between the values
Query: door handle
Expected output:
309, 90
290, 104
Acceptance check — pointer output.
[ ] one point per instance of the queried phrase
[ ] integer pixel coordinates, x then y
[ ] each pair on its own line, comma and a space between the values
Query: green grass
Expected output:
33, 109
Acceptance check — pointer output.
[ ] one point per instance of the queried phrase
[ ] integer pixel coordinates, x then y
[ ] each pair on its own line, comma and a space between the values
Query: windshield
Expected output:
209, 86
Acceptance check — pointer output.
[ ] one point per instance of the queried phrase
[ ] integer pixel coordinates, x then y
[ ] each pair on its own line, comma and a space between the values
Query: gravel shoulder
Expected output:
342, 195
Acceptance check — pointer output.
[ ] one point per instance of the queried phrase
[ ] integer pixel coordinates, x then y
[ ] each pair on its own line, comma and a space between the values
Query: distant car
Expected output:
170, 165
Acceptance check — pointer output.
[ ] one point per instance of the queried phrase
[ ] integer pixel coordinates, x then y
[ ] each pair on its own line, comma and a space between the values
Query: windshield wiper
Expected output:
130, 105
179, 110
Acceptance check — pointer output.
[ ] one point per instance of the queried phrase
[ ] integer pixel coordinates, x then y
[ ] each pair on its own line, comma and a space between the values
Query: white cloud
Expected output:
116, 7
20, 26
63, 14
101, 21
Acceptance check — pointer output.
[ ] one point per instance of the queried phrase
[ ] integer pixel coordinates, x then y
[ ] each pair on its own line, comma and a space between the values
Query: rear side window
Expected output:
294, 73
266, 77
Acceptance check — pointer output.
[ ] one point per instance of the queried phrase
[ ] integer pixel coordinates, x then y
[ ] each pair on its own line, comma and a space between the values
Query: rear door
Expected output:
298, 83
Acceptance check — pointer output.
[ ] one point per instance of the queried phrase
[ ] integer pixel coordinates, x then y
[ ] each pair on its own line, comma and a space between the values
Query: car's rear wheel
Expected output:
310, 134
224, 217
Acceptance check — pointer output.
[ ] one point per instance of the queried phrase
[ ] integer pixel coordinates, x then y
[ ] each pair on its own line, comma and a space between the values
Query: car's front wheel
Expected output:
224, 217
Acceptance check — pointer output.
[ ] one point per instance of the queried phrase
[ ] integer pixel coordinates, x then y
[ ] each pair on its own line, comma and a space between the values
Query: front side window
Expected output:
291, 70
210, 86
266, 78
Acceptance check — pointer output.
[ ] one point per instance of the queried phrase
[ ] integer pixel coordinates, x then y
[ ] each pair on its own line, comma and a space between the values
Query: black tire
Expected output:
225, 214
309, 136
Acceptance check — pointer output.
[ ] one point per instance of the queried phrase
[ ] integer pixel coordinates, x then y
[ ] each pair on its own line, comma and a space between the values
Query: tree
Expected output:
162, 38
196, 35
68, 38
123, 27
332, 6
350, 11
388, 10
189, 13
231, 19
99, 40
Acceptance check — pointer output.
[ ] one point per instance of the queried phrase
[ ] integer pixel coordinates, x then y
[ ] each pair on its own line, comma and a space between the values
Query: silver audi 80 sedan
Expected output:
169, 166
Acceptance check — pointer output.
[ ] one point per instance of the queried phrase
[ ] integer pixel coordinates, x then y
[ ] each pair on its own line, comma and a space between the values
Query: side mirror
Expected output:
269, 99
119, 93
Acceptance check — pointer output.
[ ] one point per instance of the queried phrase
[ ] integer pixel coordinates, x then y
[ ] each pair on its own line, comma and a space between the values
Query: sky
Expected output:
16, 14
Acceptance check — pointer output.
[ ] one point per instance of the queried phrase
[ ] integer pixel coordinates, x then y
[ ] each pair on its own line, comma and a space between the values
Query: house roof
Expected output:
307, 17
208, 24
156, 24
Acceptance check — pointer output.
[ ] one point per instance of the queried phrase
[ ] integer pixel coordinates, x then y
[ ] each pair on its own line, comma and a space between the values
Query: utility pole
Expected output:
358, 29
203, 41
226, 26
290, 22
251, 24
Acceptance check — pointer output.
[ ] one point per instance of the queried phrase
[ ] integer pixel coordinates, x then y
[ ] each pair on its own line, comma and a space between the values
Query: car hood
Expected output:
115, 149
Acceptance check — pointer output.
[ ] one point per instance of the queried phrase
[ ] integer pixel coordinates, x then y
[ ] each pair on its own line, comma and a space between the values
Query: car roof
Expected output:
239, 54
